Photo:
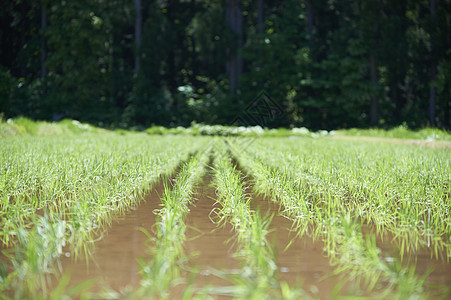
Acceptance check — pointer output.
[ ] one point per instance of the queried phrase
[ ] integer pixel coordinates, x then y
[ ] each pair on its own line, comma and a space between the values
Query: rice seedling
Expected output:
318, 185
59, 192
258, 278
162, 271
390, 187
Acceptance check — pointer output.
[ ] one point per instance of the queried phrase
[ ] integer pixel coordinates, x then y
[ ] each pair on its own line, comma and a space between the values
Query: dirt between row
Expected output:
302, 264
113, 261
431, 144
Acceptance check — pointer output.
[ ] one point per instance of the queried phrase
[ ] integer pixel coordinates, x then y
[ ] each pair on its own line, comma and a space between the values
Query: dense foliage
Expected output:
327, 64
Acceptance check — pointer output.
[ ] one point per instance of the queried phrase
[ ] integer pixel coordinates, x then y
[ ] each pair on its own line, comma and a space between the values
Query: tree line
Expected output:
326, 64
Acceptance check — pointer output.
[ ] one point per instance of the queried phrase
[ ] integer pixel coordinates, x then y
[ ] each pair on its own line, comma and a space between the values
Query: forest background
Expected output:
327, 64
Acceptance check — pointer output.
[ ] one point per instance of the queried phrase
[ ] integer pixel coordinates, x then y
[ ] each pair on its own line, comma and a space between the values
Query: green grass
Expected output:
24, 126
400, 132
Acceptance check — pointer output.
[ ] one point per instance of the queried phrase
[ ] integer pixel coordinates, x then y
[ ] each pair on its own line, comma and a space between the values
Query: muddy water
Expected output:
303, 263
420, 257
211, 244
113, 262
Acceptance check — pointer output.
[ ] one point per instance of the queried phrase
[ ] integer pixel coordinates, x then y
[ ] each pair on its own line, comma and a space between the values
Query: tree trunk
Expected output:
193, 45
309, 22
173, 74
260, 17
43, 52
446, 117
235, 64
138, 35
432, 89
23, 12
432, 97
374, 105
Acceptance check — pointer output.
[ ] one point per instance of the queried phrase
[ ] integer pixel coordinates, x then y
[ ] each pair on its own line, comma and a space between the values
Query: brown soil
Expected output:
432, 144
210, 242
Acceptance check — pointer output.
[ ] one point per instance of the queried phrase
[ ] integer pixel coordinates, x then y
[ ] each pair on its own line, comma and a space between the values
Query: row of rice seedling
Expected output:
162, 272
400, 188
336, 187
258, 277
57, 192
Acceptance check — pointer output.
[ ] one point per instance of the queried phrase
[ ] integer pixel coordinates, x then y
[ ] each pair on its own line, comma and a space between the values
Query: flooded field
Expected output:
425, 259
300, 261
211, 245
208, 231
113, 262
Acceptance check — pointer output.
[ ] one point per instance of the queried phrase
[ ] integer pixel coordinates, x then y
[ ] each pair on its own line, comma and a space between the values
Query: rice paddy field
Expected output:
109, 215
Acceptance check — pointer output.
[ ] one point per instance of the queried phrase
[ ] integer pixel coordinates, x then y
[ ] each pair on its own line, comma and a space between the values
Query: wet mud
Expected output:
114, 259
422, 257
211, 244
423, 143
304, 263
113, 263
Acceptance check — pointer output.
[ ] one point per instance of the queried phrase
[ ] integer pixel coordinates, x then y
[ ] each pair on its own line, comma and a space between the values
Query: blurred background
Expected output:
328, 64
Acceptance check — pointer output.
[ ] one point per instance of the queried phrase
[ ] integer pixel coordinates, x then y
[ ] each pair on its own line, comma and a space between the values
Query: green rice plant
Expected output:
39, 247
360, 259
77, 183
258, 278
394, 187
162, 271
62, 192
312, 194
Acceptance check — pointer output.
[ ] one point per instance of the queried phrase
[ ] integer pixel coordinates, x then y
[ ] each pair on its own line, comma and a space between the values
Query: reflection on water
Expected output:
303, 263
423, 257
113, 263
211, 244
